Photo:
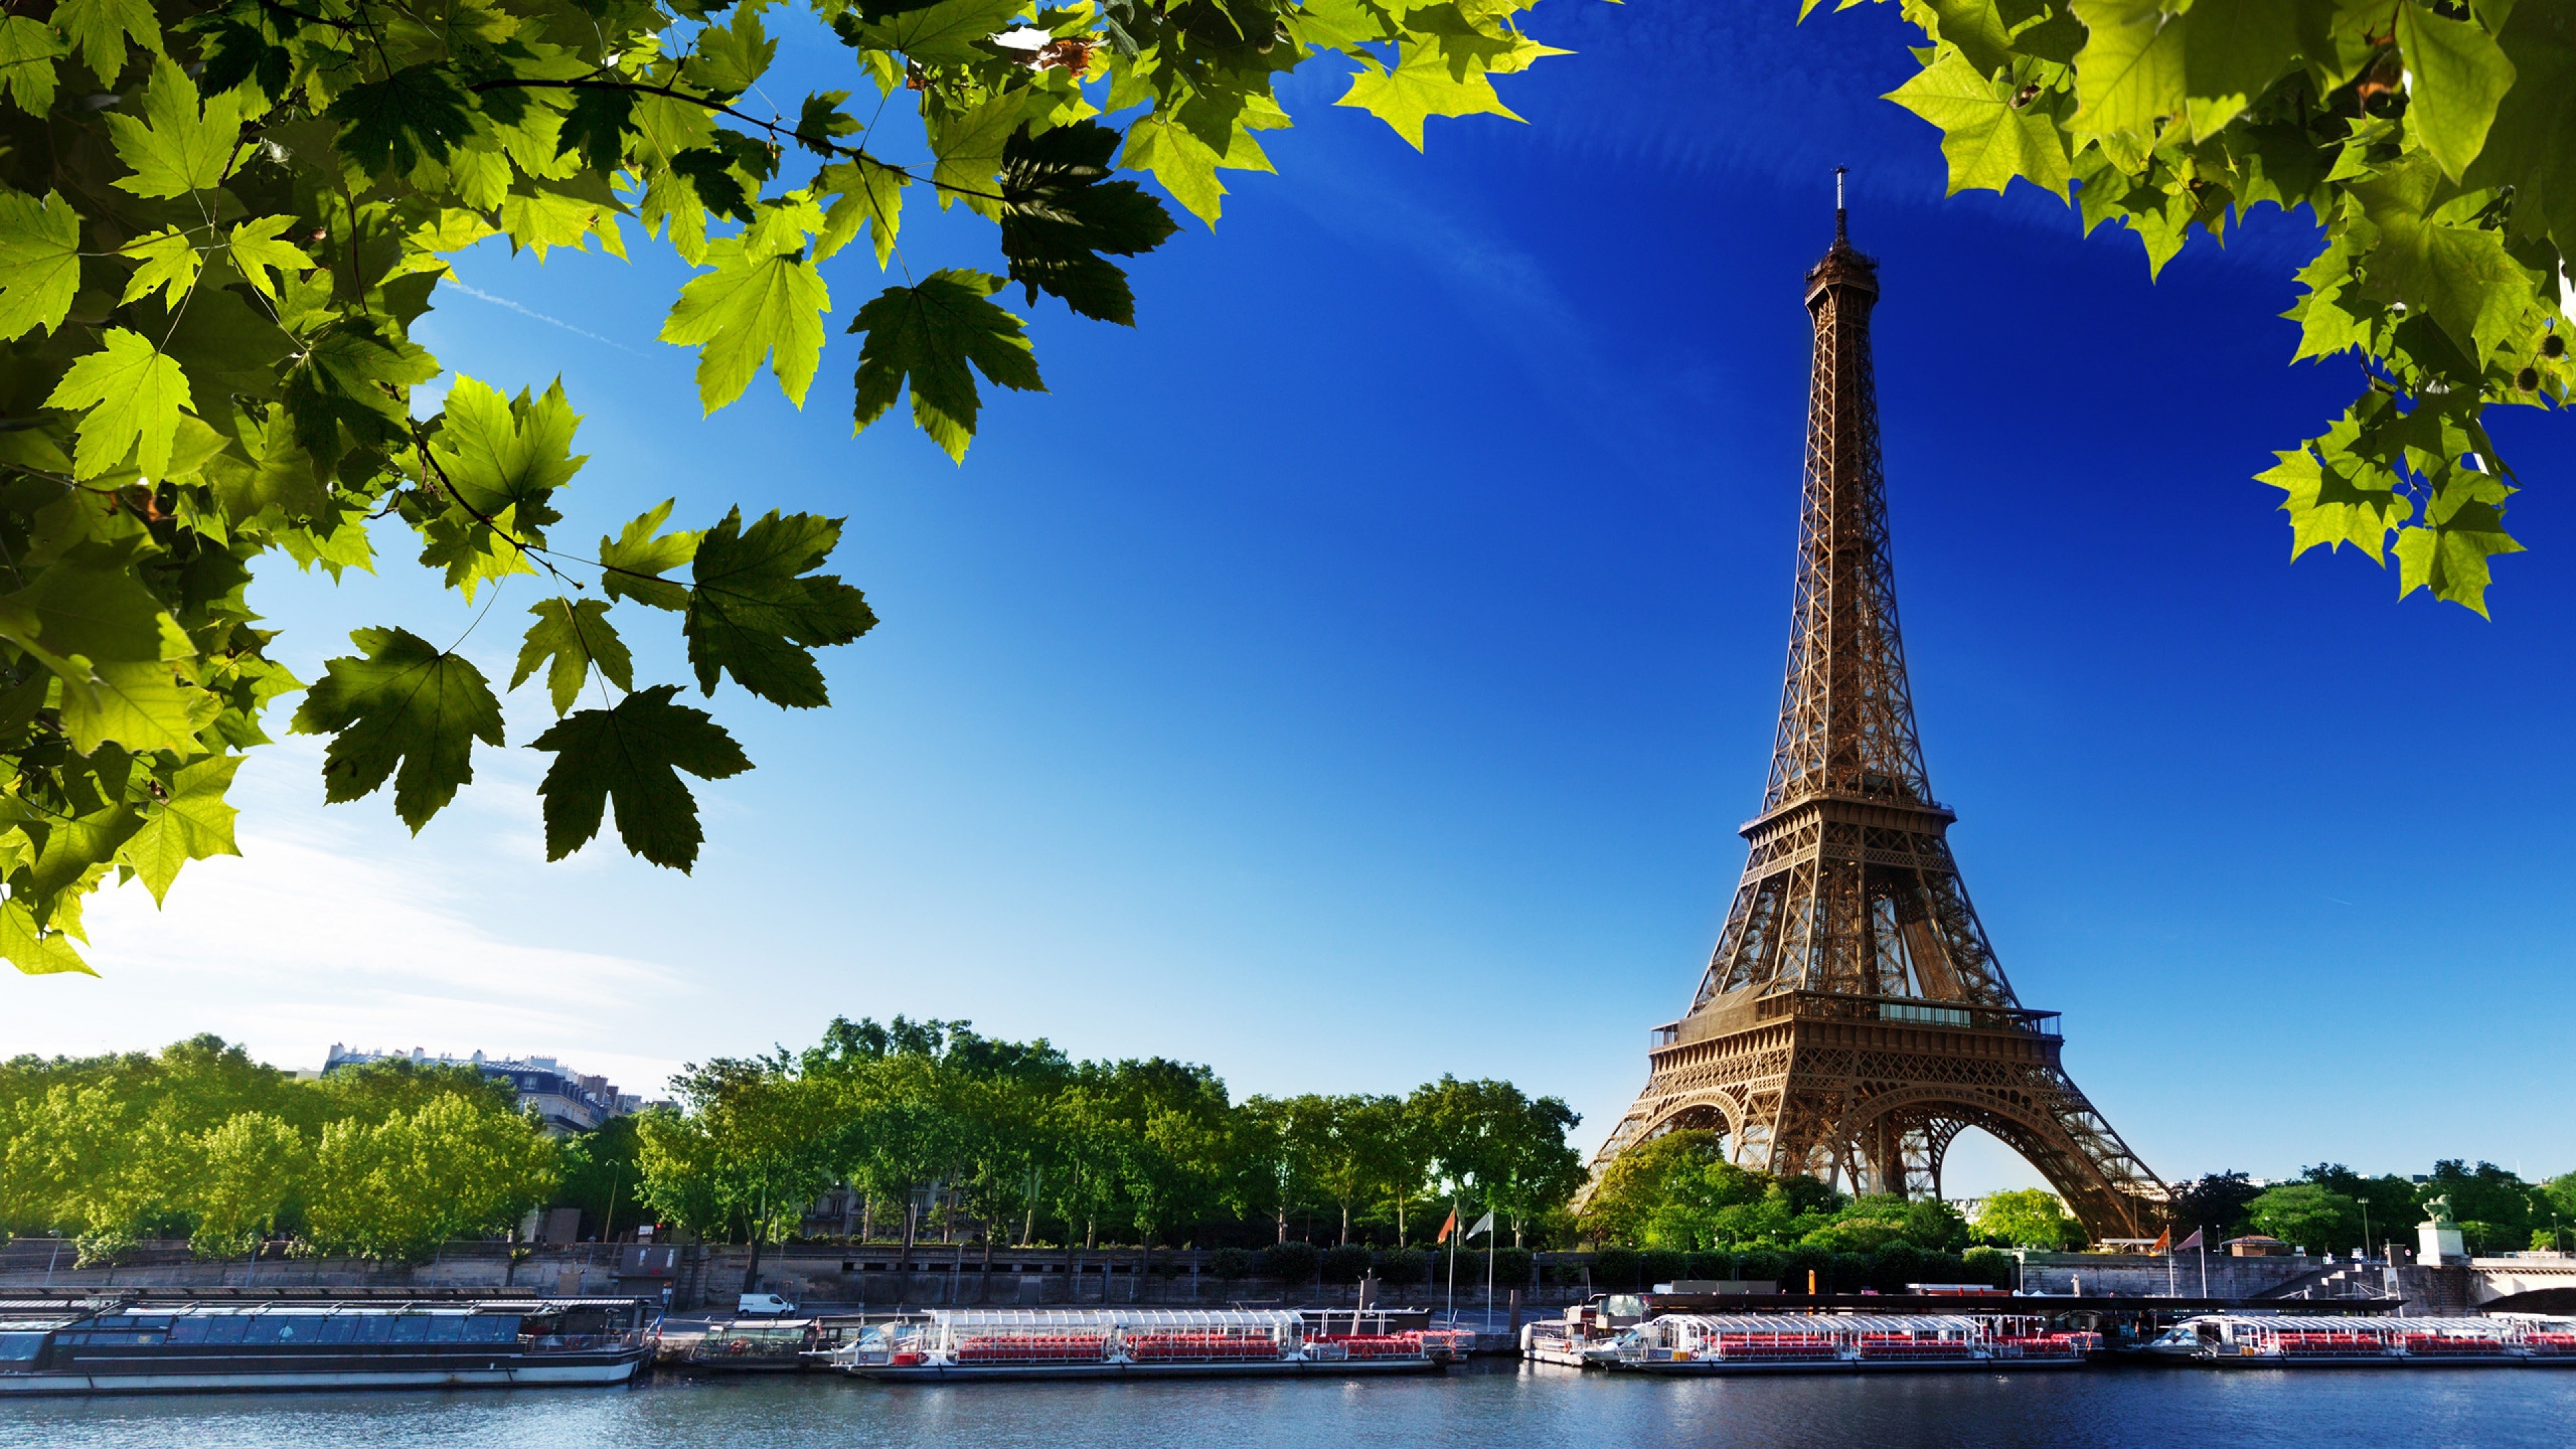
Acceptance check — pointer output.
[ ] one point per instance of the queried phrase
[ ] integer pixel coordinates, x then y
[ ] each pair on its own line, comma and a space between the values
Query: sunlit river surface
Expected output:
1501, 1406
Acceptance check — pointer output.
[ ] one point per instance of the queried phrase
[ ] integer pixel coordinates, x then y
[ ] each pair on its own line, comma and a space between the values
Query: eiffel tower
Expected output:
1854, 1020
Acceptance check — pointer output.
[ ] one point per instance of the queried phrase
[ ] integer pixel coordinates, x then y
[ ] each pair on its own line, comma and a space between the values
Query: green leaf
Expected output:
28, 50
1186, 163
400, 702
748, 309
2455, 77
2461, 275
98, 30
170, 263
575, 636
32, 950
968, 146
1059, 210
865, 194
2130, 75
193, 824
729, 59
98, 628
822, 122
641, 550
926, 336
258, 248
1422, 85
503, 454
2231, 53
39, 263
2335, 503
134, 395
2448, 552
757, 611
945, 32
596, 126
417, 113
176, 149
1986, 139
2534, 135
633, 755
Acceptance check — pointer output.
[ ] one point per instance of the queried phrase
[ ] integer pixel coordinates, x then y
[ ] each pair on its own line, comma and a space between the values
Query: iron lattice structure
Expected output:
1854, 1020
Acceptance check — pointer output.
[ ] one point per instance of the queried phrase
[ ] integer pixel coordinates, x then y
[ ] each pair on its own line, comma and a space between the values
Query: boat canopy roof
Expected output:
1826, 1323
1122, 1318
2363, 1322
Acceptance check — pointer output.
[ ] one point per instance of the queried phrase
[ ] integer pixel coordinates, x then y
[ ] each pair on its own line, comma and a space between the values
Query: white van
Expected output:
764, 1303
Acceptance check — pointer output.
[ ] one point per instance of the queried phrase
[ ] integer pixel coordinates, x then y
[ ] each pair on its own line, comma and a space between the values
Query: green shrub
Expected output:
1346, 1264
1569, 1275
1659, 1267
1404, 1267
1716, 1267
1763, 1265
1804, 1259
1233, 1263
1290, 1262
1991, 1266
1615, 1269
1894, 1265
1851, 1272
1512, 1267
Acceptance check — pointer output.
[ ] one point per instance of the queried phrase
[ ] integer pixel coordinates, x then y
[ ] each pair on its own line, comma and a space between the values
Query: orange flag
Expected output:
1447, 1228
2164, 1241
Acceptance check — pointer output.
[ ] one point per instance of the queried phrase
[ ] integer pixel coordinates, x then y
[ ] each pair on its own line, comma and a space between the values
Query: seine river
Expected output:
1502, 1406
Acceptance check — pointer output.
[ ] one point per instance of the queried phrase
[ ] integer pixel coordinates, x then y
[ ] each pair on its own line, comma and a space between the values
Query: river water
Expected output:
1502, 1405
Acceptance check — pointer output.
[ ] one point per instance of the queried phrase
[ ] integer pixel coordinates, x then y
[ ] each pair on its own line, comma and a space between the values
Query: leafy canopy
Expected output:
221, 219
2433, 140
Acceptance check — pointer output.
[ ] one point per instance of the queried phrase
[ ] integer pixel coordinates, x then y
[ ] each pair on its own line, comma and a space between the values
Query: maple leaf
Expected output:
757, 611
39, 263
576, 637
177, 149
418, 113
170, 262
98, 30
632, 755
637, 558
2456, 75
925, 336
1059, 211
401, 703
133, 393
193, 824
751, 308
1422, 85
1987, 138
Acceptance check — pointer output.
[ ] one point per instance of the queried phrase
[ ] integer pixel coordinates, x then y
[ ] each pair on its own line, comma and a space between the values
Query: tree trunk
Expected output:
1346, 1227
911, 1221
984, 1289
868, 1218
751, 1275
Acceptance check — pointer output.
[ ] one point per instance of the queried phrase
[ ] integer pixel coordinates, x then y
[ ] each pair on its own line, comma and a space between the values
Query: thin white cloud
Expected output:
454, 285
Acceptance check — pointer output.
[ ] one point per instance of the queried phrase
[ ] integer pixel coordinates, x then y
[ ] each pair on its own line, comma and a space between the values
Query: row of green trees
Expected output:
386, 1160
931, 1125
1678, 1193
2331, 1208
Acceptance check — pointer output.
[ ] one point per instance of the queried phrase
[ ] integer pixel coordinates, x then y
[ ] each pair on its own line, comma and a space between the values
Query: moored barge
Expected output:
1773, 1343
1119, 1343
2281, 1340
193, 1347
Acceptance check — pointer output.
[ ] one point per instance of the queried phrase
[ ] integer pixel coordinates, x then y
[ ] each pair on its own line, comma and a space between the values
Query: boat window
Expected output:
492, 1328
375, 1327
411, 1328
339, 1328
21, 1347
189, 1330
113, 1321
226, 1330
447, 1328
282, 1330
151, 1320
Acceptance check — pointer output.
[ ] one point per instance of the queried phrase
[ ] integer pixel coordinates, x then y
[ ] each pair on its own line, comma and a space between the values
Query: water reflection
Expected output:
1488, 1407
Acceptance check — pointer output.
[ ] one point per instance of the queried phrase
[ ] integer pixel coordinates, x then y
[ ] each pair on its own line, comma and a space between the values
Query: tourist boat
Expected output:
1003, 1343
143, 1346
2281, 1340
1709, 1343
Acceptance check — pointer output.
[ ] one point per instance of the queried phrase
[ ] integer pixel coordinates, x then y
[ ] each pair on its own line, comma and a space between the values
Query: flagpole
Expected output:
2204, 1259
1492, 1234
1453, 1262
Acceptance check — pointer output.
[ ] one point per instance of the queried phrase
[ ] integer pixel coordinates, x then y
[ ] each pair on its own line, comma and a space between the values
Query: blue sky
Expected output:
1358, 671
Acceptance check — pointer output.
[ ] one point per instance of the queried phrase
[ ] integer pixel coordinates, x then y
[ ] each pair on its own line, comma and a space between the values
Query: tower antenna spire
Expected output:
1841, 231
